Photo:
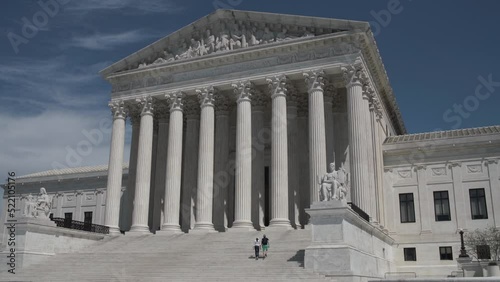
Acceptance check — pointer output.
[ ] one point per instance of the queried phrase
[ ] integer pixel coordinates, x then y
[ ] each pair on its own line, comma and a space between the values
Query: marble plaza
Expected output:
246, 121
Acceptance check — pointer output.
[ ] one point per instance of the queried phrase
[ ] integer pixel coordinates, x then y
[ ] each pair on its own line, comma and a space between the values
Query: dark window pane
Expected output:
406, 207
445, 253
483, 252
442, 206
410, 254
478, 204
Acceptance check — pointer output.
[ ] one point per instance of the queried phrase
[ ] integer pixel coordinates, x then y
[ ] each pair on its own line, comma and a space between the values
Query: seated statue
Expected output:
43, 204
328, 184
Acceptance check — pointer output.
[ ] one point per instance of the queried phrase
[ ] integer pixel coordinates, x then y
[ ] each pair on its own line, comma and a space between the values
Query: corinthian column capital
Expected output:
243, 90
146, 105
277, 85
176, 100
368, 91
206, 96
315, 80
354, 73
118, 109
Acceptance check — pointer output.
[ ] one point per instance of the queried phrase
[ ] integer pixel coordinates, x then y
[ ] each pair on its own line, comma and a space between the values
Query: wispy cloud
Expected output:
99, 41
128, 6
31, 86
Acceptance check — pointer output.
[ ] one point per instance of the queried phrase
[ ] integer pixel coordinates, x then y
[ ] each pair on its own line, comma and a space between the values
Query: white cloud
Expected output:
33, 144
100, 41
142, 7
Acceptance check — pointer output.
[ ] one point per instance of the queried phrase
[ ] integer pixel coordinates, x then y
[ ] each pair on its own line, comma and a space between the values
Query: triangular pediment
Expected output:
230, 30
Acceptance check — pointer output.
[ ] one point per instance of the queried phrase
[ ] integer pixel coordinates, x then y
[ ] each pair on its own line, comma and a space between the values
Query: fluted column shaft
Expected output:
204, 199
293, 166
174, 164
115, 169
143, 178
161, 165
222, 177
359, 143
317, 140
243, 185
279, 153
330, 142
304, 180
132, 167
369, 191
258, 172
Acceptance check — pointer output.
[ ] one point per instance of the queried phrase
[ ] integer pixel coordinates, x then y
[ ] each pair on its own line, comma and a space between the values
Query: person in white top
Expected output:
256, 246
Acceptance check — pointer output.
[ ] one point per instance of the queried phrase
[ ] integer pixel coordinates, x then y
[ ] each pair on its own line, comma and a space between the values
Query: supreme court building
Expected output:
237, 117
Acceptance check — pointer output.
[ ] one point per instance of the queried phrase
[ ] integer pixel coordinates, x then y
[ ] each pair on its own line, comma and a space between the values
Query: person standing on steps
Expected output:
265, 246
256, 246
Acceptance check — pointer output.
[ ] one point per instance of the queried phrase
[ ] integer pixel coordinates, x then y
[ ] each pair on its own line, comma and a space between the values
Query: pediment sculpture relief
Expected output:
231, 36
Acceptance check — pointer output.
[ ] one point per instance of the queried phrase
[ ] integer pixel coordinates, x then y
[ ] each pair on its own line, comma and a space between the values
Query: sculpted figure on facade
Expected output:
29, 206
334, 184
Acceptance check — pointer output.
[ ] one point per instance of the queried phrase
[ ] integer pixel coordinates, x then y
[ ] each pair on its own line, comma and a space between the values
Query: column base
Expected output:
114, 231
242, 225
281, 223
203, 228
139, 230
169, 229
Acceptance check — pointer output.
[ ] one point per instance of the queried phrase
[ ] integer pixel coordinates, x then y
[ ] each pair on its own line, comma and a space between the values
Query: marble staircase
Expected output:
182, 257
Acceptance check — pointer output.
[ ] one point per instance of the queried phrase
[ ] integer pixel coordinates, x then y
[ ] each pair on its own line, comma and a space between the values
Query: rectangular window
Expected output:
442, 206
445, 253
68, 217
478, 204
407, 207
410, 254
483, 252
87, 222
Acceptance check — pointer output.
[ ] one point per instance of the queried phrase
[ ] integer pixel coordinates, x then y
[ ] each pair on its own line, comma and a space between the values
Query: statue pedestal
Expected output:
36, 239
345, 246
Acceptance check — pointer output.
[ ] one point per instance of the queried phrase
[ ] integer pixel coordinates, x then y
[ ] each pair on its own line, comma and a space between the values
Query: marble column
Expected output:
190, 164
135, 118
143, 172
279, 153
222, 177
115, 168
330, 91
355, 78
370, 196
376, 116
259, 102
205, 192
60, 200
78, 208
174, 164
152, 185
302, 138
317, 148
243, 181
162, 115
294, 173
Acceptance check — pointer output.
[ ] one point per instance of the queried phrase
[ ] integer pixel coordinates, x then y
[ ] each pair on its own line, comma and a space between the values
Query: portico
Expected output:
246, 124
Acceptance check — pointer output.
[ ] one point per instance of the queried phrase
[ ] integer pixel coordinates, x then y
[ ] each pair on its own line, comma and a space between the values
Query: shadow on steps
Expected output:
298, 257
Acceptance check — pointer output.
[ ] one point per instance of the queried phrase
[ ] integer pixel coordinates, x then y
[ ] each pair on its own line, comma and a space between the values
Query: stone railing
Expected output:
79, 225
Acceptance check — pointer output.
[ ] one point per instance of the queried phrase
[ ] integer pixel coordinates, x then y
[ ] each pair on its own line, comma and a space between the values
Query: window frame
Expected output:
408, 256
442, 201
448, 253
409, 207
475, 201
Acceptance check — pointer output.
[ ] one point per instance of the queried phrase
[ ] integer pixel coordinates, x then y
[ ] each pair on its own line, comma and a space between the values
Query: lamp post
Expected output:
463, 253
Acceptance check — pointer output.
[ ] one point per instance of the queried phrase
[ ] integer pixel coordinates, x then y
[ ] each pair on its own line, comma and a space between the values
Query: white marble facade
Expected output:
235, 117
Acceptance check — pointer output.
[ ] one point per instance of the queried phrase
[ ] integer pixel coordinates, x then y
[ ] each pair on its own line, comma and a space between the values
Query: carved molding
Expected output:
176, 100
206, 96
439, 171
488, 162
454, 164
473, 169
161, 111
146, 105
355, 73
222, 104
315, 80
243, 91
405, 173
260, 100
277, 86
118, 109
191, 108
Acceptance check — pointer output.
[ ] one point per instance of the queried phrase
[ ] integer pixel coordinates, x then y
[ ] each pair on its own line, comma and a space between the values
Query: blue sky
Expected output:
435, 53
